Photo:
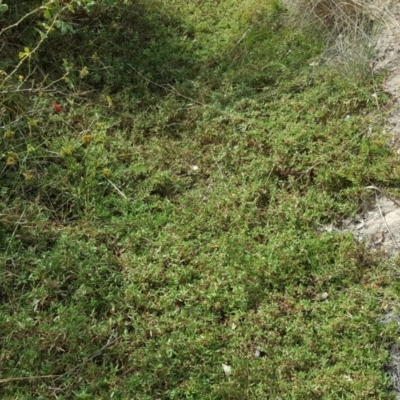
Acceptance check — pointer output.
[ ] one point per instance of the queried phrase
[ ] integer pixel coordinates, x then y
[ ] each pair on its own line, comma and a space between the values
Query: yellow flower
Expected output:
9, 134
28, 175
86, 139
21, 78
107, 172
67, 150
83, 72
12, 158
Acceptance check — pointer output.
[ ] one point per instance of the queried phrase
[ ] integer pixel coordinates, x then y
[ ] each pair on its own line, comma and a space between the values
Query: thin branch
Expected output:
90, 357
18, 22
33, 51
93, 355
24, 378
397, 202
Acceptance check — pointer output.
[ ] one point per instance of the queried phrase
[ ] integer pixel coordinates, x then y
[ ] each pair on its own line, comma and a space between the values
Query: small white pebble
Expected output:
227, 369
324, 296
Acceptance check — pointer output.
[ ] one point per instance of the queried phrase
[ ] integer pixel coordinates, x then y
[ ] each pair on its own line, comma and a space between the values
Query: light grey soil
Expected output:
388, 59
379, 227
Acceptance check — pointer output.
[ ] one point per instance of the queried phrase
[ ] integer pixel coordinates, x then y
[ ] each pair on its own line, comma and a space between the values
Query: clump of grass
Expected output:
341, 16
350, 27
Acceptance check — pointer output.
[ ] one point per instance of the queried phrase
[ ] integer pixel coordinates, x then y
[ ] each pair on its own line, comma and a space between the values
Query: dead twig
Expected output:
117, 189
95, 354
397, 202
24, 378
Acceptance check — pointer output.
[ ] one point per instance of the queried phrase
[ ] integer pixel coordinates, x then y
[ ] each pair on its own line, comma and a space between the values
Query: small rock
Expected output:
227, 369
259, 353
323, 296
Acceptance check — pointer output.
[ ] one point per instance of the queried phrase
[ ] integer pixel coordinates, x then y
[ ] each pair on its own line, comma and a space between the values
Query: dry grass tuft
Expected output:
350, 26
341, 15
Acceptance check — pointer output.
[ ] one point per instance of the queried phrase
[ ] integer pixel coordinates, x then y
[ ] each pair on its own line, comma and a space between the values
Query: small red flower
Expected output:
57, 108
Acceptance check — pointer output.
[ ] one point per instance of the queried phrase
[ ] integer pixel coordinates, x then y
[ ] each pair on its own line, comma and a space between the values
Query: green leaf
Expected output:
64, 27
47, 13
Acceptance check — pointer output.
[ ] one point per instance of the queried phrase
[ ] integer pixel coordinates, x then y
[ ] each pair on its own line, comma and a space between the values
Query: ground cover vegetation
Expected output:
168, 220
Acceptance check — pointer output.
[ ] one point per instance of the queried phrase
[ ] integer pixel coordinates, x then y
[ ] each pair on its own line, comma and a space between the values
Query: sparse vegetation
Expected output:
169, 218
350, 28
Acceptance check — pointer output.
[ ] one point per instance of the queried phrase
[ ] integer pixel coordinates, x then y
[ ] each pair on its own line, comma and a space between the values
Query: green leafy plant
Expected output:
162, 230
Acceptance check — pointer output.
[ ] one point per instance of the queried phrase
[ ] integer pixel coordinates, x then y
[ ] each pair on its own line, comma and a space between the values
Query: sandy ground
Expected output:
380, 225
